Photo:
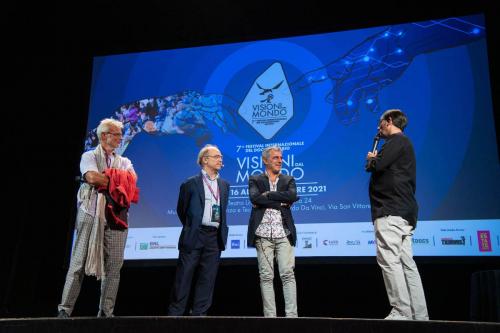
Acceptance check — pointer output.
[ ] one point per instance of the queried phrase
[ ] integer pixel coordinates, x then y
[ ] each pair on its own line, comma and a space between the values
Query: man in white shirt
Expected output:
93, 231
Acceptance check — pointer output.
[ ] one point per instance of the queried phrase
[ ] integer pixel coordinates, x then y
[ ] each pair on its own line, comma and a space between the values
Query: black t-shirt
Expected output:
393, 180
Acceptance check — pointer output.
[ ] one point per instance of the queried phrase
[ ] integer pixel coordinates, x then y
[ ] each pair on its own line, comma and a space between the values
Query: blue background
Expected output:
444, 91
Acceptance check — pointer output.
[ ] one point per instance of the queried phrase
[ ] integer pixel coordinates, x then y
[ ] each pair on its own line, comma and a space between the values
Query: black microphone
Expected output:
376, 140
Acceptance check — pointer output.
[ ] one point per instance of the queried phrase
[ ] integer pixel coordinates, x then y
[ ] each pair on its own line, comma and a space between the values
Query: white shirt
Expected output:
210, 199
88, 163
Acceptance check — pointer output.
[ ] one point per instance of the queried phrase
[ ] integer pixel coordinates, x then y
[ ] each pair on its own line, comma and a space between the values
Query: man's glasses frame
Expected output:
217, 157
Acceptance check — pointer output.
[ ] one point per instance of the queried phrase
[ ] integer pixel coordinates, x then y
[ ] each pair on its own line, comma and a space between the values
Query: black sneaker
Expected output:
62, 314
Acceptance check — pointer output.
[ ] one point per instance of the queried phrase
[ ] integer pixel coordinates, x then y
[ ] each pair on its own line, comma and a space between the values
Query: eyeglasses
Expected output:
217, 157
114, 134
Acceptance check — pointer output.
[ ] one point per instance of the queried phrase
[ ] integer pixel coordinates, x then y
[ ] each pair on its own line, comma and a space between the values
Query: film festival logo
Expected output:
484, 240
268, 106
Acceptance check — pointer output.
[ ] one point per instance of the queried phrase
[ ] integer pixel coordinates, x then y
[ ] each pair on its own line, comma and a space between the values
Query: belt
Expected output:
208, 227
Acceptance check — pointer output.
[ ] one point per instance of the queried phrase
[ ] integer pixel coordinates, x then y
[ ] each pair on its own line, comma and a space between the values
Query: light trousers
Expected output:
267, 251
113, 247
395, 258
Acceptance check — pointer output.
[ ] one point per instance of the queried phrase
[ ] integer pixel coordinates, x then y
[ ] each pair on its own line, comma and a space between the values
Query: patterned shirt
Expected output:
271, 226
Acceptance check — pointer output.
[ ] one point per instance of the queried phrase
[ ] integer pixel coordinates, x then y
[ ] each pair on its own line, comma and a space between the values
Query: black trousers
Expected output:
204, 260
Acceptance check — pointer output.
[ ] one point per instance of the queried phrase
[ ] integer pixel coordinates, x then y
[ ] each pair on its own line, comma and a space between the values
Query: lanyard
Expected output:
216, 197
108, 160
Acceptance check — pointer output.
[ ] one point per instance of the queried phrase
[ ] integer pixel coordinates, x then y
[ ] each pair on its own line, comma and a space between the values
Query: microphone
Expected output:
376, 140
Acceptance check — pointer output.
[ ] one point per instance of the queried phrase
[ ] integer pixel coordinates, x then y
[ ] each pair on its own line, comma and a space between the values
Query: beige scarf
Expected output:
94, 264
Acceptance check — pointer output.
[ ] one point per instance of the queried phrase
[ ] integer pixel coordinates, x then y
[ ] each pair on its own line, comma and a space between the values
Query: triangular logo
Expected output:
269, 104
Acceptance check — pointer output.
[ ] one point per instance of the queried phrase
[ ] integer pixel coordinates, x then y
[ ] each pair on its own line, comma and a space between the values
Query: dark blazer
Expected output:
190, 208
286, 192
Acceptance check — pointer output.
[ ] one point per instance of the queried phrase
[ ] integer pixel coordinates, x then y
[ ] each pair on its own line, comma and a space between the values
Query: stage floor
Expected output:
238, 325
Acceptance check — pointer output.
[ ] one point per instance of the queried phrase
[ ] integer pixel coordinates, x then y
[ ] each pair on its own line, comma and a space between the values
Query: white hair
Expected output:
105, 124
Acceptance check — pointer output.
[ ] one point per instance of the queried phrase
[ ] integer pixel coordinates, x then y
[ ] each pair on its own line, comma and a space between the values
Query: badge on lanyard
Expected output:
216, 213
215, 207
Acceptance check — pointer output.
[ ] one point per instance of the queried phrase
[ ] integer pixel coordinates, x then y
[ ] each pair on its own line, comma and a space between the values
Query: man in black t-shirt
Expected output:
394, 214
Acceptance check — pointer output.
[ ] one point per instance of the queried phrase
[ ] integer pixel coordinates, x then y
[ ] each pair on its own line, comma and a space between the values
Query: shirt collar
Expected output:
204, 173
277, 177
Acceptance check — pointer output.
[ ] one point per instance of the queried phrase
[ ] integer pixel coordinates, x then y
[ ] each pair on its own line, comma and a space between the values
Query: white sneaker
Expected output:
395, 315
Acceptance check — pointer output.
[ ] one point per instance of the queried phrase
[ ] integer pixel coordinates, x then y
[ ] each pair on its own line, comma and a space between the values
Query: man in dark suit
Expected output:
202, 211
272, 230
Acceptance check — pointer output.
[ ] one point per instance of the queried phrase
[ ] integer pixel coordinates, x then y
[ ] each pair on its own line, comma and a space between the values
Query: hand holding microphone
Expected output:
376, 140
373, 153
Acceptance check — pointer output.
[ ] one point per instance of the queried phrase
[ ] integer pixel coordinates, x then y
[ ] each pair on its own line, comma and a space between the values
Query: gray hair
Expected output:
203, 153
105, 124
266, 153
